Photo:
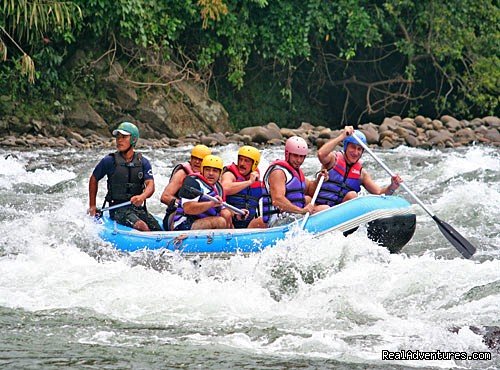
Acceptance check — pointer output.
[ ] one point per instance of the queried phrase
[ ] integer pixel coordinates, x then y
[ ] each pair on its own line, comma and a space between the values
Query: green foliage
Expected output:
146, 22
274, 60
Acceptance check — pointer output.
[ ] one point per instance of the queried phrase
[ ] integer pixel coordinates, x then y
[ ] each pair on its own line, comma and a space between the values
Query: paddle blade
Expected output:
465, 248
190, 188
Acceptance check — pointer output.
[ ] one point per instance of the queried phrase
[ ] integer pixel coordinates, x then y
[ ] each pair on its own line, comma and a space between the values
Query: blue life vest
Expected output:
127, 180
341, 180
247, 198
215, 190
295, 188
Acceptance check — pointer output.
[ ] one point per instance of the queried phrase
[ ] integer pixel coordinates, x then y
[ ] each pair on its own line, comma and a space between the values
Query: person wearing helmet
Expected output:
170, 194
242, 186
345, 171
285, 186
130, 178
195, 212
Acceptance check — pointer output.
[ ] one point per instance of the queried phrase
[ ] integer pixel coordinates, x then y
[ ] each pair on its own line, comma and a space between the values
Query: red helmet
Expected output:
295, 145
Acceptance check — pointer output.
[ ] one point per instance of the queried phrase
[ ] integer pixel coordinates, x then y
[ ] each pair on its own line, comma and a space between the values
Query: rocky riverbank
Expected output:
419, 132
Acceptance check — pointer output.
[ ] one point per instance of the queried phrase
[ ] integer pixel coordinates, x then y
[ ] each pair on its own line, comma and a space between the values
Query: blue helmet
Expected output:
350, 139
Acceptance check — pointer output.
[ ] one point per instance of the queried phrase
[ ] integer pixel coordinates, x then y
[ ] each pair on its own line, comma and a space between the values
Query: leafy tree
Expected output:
28, 24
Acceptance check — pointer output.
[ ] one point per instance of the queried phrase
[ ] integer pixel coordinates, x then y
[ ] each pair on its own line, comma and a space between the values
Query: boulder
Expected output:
371, 133
437, 125
492, 121
465, 136
83, 115
420, 121
412, 141
389, 124
306, 126
262, 134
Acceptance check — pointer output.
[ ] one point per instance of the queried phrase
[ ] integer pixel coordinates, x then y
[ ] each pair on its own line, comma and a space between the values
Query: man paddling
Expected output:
346, 174
130, 178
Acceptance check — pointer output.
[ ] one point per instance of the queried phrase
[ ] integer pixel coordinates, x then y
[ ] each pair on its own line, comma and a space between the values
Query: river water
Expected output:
69, 300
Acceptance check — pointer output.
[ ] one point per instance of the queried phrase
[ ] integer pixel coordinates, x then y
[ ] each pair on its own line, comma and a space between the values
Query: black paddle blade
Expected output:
465, 248
190, 188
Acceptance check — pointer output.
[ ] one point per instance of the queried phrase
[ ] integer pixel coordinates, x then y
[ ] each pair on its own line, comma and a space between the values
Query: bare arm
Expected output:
373, 188
231, 186
325, 153
93, 187
311, 186
149, 190
173, 187
195, 207
277, 181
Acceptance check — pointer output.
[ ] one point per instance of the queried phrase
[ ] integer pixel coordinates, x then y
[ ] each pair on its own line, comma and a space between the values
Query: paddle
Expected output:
313, 201
190, 190
116, 206
453, 236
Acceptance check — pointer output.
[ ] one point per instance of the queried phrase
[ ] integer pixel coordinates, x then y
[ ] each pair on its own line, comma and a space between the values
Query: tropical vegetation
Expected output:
328, 62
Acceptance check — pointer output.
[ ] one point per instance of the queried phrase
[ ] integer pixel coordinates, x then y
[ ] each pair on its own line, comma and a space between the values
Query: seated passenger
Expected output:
242, 186
196, 211
345, 171
285, 186
170, 194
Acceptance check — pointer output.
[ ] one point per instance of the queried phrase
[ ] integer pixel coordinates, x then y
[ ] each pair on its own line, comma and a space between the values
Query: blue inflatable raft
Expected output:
390, 222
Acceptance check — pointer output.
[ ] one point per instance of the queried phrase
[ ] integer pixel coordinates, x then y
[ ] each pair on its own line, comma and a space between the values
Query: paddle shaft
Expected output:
313, 200
117, 206
227, 205
392, 174
452, 235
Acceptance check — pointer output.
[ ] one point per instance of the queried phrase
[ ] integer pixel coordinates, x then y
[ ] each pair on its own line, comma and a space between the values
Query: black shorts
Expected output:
129, 215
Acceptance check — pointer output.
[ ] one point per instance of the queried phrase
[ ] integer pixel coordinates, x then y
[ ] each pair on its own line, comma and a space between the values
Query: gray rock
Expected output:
492, 135
437, 125
420, 121
262, 134
287, 132
325, 133
275, 142
492, 121
84, 116
372, 135
389, 124
408, 124
447, 118
454, 125
465, 136
306, 126
124, 96
412, 141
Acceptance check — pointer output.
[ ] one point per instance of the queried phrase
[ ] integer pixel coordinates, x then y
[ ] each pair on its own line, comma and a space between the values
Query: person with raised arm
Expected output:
346, 173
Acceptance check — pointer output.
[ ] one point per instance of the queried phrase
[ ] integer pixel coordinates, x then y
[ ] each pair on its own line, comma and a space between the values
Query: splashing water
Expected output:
69, 299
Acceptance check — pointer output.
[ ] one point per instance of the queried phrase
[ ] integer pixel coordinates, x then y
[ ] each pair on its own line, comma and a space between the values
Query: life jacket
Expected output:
215, 190
247, 198
295, 188
127, 180
341, 180
186, 167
